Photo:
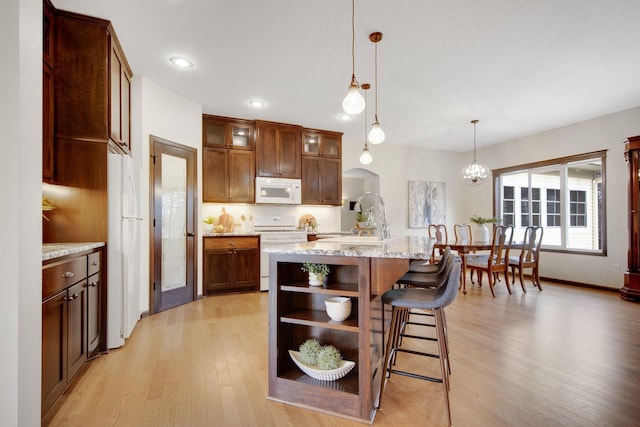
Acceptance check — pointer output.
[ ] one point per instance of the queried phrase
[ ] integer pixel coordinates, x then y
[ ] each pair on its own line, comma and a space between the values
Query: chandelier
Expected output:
475, 173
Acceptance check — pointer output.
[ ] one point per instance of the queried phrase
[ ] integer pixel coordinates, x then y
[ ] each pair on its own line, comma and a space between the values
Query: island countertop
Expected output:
408, 247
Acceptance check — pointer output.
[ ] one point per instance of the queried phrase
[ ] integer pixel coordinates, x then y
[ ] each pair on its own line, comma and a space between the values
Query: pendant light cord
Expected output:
376, 79
353, 41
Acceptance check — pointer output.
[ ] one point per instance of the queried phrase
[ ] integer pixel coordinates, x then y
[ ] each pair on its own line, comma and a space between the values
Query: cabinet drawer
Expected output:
56, 277
231, 242
94, 262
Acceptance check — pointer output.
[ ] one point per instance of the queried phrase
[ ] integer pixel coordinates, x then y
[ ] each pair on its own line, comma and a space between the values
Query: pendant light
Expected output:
353, 103
376, 134
475, 173
365, 158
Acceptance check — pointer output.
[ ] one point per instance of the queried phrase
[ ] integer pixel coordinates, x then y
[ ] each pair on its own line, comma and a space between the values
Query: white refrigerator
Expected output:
123, 249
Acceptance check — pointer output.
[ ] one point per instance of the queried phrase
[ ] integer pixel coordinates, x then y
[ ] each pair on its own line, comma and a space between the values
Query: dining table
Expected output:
463, 247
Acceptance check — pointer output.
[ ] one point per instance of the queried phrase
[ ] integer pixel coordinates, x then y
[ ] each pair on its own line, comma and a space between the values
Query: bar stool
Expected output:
434, 299
423, 265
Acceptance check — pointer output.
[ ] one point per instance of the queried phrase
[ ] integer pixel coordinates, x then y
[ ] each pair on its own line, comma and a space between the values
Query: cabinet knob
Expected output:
67, 274
93, 284
232, 243
95, 263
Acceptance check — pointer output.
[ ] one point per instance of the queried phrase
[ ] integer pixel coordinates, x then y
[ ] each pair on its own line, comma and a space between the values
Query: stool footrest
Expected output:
417, 337
419, 353
412, 375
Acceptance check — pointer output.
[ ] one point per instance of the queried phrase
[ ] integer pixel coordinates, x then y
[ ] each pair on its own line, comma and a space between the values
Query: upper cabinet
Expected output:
321, 167
92, 81
47, 91
321, 143
228, 160
278, 150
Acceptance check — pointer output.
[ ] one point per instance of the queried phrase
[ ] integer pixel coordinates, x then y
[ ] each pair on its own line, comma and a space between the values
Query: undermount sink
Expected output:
356, 240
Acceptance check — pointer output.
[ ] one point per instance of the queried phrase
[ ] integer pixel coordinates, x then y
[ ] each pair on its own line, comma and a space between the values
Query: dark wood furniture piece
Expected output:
231, 264
278, 150
631, 289
89, 105
296, 313
73, 313
321, 167
529, 257
497, 261
228, 160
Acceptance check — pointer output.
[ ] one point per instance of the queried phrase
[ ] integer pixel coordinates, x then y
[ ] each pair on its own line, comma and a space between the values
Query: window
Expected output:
553, 208
578, 208
566, 196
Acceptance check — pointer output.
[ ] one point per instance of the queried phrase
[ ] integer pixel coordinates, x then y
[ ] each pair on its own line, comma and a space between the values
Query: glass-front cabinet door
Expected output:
321, 143
225, 132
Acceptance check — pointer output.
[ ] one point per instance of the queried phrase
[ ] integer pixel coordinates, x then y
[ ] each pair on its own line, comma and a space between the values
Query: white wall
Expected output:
159, 112
601, 133
20, 220
397, 165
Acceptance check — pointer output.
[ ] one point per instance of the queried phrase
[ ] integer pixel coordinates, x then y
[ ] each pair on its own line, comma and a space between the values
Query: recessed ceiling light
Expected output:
256, 103
344, 117
180, 61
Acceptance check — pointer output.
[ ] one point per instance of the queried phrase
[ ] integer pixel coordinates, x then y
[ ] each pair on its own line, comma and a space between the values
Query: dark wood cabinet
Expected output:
73, 309
228, 160
231, 264
47, 123
321, 167
278, 150
631, 289
92, 81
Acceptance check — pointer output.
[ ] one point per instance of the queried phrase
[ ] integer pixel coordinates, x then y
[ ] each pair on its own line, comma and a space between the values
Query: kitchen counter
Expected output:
57, 250
409, 247
232, 234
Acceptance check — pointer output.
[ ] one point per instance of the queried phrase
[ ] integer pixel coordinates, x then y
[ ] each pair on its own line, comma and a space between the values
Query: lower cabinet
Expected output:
231, 264
72, 320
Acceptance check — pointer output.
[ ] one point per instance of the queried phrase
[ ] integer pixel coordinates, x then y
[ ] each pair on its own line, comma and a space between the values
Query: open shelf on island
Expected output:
321, 319
342, 289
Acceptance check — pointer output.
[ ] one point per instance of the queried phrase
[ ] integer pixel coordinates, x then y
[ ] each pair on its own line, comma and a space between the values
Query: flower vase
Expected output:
316, 279
481, 234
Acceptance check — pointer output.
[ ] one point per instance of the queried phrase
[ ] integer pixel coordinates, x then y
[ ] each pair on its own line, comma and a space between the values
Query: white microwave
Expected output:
281, 191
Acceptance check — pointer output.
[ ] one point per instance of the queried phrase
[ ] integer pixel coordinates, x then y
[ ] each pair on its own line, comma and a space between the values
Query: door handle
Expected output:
189, 234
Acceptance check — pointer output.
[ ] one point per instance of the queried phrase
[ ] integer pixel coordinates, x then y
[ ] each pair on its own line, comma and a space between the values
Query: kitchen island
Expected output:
361, 269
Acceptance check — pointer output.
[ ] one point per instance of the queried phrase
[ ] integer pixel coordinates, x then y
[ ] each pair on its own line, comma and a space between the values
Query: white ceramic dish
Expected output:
338, 308
322, 374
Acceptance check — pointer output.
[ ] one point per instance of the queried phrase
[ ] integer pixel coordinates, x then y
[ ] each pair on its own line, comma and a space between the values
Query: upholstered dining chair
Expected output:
529, 257
462, 232
497, 261
438, 232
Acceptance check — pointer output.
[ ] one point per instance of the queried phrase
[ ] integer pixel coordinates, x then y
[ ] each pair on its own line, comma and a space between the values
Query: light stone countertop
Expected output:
57, 250
409, 247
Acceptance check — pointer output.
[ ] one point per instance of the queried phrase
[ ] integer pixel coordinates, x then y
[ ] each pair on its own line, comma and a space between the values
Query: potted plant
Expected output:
318, 273
481, 233
209, 222
361, 220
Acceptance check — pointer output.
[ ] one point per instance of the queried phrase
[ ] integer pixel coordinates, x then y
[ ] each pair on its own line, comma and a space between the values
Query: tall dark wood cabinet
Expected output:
228, 160
321, 167
631, 289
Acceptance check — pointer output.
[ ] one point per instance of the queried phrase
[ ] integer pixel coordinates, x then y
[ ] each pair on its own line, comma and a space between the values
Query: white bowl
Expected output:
338, 308
344, 366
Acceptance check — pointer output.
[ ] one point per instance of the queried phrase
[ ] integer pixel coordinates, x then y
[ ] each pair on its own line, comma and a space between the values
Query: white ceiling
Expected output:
519, 66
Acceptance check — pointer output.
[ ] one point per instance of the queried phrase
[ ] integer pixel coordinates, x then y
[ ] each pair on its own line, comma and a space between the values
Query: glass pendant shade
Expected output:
475, 173
366, 158
353, 103
376, 134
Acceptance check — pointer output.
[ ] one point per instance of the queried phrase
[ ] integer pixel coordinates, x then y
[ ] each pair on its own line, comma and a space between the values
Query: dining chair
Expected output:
438, 232
529, 257
462, 232
497, 260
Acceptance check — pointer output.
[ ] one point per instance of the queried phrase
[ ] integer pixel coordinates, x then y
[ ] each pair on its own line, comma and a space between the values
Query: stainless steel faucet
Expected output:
384, 229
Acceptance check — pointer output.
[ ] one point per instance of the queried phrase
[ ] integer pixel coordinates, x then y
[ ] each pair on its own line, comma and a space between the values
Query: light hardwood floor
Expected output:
566, 356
